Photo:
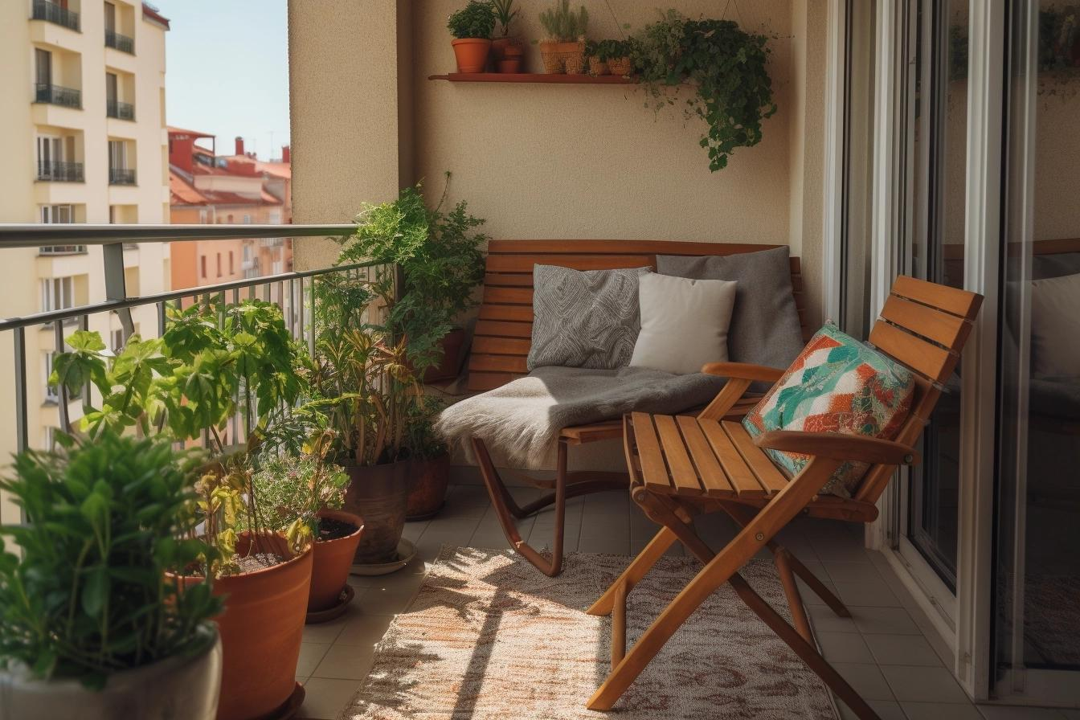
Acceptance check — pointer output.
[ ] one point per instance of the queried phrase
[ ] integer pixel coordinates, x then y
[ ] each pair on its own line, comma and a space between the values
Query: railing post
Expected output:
115, 289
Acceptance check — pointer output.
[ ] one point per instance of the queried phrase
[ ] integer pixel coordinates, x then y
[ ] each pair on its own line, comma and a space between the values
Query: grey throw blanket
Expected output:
520, 421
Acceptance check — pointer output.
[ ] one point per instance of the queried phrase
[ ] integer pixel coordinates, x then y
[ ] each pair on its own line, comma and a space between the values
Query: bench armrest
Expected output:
743, 371
837, 446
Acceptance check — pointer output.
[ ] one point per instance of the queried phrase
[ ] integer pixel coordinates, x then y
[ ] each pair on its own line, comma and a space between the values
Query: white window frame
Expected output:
57, 293
51, 394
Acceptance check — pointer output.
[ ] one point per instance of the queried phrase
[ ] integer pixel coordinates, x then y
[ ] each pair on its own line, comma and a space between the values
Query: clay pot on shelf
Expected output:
428, 492
331, 560
620, 66
597, 66
512, 60
378, 494
471, 54
563, 57
261, 629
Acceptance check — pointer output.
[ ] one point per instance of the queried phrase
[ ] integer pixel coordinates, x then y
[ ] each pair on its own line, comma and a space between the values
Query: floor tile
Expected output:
311, 654
327, 632
884, 620
326, 698
851, 572
866, 679
902, 650
365, 630
344, 662
867, 593
825, 620
886, 710
1013, 712
924, 684
940, 711
844, 647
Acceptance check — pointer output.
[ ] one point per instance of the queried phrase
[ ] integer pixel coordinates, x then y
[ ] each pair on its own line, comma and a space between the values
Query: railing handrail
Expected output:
22, 235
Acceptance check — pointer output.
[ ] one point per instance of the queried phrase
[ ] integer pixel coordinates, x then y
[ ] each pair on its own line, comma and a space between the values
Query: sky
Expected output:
227, 71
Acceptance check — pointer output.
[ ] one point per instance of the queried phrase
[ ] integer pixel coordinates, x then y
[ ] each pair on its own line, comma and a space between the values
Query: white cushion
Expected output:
1055, 326
684, 323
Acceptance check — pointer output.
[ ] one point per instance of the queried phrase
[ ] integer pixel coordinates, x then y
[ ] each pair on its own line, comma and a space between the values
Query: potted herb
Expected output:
563, 46
431, 462
611, 56
439, 254
472, 27
303, 496
215, 364
89, 626
507, 52
726, 66
362, 380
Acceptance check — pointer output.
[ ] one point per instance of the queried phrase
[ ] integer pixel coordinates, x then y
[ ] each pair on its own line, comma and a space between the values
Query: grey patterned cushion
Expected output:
584, 319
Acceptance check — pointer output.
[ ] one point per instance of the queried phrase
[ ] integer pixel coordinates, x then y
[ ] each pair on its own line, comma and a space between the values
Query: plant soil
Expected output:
334, 529
258, 561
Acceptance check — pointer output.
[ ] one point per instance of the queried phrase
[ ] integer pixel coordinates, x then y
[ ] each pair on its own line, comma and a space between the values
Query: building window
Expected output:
57, 214
219, 264
202, 217
230, 219
52, 392
247, 219
57, 294
231, 268
202, 262
50, 437
116, 340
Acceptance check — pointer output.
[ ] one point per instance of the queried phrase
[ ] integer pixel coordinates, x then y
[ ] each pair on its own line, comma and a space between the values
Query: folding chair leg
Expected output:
632, 575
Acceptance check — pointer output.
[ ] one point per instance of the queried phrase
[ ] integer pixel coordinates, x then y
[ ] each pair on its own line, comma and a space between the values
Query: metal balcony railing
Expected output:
56, 95
293, 292
121, 176
121, 110
62, 250
60, 171
119, 42
51, 12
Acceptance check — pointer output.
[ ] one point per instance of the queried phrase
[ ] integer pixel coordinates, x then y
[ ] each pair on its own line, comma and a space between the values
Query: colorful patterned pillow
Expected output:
837, 384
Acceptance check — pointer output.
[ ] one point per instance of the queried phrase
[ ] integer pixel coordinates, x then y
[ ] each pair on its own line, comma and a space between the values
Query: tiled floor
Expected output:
887, 651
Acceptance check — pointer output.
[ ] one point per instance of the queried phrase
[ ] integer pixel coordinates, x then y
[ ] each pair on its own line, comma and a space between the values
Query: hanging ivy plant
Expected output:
725, 65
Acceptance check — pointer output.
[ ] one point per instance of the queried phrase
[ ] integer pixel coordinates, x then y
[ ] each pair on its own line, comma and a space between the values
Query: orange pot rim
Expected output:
359, 523
253, 573
469, 41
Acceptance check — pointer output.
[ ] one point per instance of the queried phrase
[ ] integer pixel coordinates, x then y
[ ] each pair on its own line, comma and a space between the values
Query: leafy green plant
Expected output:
423, 441
505, 14
475, 20
612, 49
561, 24
294, 488
726, 66
89, 596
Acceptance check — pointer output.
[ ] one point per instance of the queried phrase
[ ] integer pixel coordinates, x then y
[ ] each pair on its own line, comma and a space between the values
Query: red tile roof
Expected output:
149, 11
193, 133
182, 192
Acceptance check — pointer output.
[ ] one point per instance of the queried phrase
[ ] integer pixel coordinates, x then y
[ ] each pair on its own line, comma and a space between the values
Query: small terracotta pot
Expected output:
499, 46
428, 492
378, 493
330, 562
261, 629
472, 54
510, 66
452, 344
620, 66
597, 66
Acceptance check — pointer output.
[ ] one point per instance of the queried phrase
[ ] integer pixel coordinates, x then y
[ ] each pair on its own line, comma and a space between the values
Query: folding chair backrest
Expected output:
924, 327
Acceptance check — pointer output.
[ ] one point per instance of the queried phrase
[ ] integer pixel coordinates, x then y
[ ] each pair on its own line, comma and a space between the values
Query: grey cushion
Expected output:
765, 325
1044, 267
584, 319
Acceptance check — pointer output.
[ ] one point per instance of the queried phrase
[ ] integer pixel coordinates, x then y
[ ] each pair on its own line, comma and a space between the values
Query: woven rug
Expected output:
488, 636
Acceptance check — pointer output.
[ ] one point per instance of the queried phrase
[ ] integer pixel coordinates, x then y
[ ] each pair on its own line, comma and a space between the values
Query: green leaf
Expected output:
96, 591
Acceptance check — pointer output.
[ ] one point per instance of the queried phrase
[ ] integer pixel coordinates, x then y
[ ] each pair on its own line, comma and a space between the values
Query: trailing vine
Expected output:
726, 66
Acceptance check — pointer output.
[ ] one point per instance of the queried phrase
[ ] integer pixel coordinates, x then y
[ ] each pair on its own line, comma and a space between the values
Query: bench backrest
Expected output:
504, 330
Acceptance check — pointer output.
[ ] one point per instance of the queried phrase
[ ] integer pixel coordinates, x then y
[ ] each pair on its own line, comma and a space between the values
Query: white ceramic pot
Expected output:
178, 688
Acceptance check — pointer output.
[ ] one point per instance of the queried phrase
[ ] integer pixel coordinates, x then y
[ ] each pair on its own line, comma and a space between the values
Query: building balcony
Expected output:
119, 110
56, 95
119, 42
60, 171
121, 176
53, 13
53, 250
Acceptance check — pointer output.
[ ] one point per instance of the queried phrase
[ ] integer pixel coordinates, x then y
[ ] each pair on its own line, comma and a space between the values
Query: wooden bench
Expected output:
500, 349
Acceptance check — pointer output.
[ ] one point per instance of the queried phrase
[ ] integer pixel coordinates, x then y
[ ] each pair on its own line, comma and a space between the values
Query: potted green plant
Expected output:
726, 66
215, 364
89, 626
472, 27
362, 381
431, 462
303, 495
505, 49
439, 254
611, 56
563, 45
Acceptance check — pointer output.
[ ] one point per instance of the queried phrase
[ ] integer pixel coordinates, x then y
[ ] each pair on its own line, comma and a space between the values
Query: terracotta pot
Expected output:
261, 629
176, 688
472, 54
510, 67
448, 367
378, 493
620, 66
598, 66
330, 561
499, 46
513, 60
430, 478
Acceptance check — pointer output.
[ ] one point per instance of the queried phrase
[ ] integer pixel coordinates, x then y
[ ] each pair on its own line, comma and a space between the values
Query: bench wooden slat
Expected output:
770, 478
713, 479
501, 346
500, 363
919, 355
501, 328
682, 470
508, 279
600, 247
653, 470
742, 479
484, 381
509, 296
524, 263
516, 313
939, 326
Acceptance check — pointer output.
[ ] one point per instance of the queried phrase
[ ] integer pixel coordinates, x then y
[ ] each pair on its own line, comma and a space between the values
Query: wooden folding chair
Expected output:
684, 466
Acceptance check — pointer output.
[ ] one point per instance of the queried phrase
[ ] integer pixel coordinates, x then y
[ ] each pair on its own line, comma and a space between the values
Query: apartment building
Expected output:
237, 189
84, 141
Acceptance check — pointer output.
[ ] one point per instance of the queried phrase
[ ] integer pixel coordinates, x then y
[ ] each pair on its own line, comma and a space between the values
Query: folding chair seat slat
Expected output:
939, 326
951, 300
682, 470
771, 479
653, 469
742, 478
713, 479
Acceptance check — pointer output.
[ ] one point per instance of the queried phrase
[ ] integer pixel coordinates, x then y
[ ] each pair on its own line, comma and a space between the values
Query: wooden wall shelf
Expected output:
536, 78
